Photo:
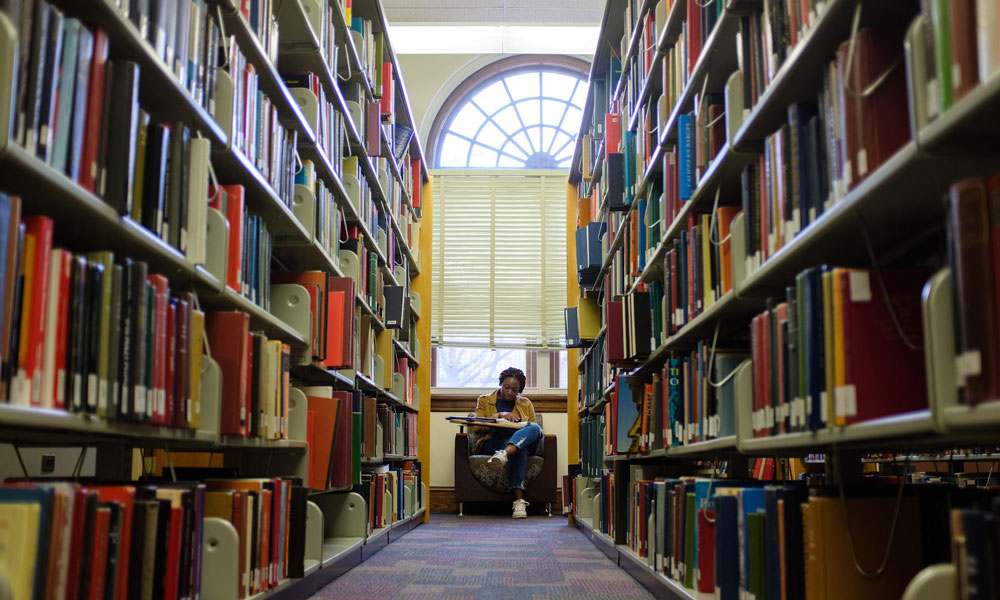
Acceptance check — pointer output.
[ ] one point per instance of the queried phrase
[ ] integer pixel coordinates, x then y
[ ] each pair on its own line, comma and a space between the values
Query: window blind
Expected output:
499, 258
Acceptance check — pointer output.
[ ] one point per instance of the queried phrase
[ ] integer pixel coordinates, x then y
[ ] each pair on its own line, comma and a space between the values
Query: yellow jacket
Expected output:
486, 406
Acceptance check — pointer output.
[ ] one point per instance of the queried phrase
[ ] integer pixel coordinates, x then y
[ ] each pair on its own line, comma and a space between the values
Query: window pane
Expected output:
524, 85
522, 140
547, 134
490, 136
572, 120
557, 85
563, 370
530, 112
492, 98
507, 119
508, 162
482, 157
454, 152
467, 121
475, 367
514, 150
552, 112
580, 95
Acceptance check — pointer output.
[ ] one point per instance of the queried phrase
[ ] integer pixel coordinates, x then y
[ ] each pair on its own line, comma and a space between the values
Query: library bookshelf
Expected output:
287, 147
704, 231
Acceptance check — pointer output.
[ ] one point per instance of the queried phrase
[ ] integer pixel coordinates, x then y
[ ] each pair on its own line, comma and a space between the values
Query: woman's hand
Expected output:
509, 416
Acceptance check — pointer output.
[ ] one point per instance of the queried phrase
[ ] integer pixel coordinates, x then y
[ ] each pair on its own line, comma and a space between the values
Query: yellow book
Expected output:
195, 354
839, 370
19, 531
265, 388
828, 343
138, 180
708, 289
588, 315
21, 392
585, 162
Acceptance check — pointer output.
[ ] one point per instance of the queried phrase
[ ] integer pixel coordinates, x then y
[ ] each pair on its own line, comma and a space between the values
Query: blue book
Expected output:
751, 501
685, 158
815, 365
674, 386
725, 364
67, 77
641, 207
79, 111
625, 414
772, 566
798, 116
727, 553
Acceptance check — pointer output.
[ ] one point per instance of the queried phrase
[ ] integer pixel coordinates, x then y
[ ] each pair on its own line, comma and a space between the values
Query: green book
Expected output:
942, 51
689, 537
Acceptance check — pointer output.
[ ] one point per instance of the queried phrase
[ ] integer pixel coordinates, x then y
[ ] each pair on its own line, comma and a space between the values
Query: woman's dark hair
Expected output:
516, 373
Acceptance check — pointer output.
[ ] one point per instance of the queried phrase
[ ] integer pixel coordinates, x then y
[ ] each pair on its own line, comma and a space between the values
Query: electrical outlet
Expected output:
48, 463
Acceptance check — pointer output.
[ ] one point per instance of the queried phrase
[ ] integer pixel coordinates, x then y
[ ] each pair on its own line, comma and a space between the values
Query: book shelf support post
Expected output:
220, 549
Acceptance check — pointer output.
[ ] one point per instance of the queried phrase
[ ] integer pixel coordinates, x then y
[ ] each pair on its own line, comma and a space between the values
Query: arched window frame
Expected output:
485, 77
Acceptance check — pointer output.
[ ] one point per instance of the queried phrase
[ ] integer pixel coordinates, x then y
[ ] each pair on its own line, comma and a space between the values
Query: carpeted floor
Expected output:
481, 558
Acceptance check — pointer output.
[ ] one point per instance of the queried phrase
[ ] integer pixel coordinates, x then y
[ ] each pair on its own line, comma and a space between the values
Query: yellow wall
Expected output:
421, 284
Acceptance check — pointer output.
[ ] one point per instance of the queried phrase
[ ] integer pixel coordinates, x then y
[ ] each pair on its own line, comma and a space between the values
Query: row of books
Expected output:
95, 334
386, 489
259, 15
60, 58
248, 252
145, 540
256, 127
328, 220
327, 122
836, 351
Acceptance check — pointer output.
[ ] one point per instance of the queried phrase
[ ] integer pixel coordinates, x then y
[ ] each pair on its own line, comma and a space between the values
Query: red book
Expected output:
415, 188
248, 399
124, 495
234, 214
993, 196
614, 339
340, 338
171, 366
265, 539
693, 33
341, 470
780, 316
886, 376
706, 551
76, 552
30, 359
964, 58
612, 134
386, 102
171, 575
95, 108
315, 283
98, 552
160, 286
62, 330
227, 336
866, 146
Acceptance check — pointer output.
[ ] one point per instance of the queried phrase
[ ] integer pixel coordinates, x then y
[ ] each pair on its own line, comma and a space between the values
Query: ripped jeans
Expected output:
526, 439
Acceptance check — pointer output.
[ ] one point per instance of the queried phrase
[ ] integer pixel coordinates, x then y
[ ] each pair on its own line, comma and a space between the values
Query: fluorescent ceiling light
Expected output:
493, 39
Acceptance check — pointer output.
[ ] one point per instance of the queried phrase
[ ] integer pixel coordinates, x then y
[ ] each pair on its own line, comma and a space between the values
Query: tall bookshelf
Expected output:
302, 104
677, 76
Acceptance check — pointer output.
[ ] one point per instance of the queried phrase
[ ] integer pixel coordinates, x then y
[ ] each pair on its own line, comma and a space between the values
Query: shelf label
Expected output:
824, 411
967, 364
860, 286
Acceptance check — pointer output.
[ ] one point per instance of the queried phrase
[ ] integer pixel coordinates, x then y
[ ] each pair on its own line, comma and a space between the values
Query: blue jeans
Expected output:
526, 439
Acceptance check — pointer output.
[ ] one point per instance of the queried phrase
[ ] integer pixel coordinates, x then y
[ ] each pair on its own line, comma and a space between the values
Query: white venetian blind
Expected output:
499, 258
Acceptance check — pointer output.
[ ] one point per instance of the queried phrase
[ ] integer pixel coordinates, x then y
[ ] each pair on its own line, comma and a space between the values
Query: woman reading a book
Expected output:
510, 447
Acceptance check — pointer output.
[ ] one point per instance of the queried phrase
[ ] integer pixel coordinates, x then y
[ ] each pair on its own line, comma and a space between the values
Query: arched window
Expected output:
520, 113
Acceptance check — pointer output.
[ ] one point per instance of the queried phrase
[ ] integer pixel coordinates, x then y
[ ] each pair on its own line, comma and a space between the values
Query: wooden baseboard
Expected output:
442, 500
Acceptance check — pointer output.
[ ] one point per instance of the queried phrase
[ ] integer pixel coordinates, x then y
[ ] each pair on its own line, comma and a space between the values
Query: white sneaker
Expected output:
498, 460
520, 509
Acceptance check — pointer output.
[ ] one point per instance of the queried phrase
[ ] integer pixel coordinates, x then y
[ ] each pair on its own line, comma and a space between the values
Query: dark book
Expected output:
49, 84
139, 15
115, 332
614, 196
115, 535
78, 318
140, 326
155, 177
174, 230
394, 306
92, 337
119, 157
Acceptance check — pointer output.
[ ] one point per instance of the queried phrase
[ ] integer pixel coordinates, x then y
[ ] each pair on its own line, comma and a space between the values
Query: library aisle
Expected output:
488, 557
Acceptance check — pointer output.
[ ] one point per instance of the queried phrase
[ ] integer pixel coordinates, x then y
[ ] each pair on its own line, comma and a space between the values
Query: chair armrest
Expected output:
462, 447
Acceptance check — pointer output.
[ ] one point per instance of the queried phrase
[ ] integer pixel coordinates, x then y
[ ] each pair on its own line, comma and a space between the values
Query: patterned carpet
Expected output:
485, 558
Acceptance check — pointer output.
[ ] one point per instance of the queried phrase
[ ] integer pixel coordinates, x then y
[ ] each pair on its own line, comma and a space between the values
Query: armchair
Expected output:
475, 481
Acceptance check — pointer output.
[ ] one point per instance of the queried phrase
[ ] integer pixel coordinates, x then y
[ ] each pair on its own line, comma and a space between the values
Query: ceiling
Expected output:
493, 12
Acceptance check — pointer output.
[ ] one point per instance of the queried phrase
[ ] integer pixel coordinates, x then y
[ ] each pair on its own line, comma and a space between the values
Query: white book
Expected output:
48, 373
197, 196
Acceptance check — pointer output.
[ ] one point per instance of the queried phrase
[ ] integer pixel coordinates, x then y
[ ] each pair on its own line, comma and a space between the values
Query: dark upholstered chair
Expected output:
475, 481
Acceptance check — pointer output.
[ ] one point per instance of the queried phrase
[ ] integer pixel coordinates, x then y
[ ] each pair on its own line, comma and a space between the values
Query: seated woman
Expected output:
509, 447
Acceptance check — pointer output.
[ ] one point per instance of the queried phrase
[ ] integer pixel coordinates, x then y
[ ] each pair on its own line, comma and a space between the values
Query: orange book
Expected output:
725, 217
325, 412
227, 335
234, 214
341, 323
37, 255
315, 283
99, 544
171, 575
